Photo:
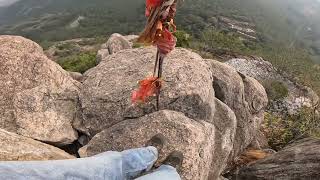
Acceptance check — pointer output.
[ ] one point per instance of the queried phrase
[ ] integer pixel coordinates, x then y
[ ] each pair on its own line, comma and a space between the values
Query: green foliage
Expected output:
280, 131
222, 40
46, 44
275, 20
67, 49
183, 38
78, 63
51, 20
92, 41
276, 90
295, 61
287, 35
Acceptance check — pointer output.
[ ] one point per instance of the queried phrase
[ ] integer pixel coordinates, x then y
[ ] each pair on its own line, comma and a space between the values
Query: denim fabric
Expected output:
164, 172
106, 166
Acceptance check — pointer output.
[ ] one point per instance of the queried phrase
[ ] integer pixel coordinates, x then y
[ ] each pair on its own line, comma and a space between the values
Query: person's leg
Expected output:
134, 162
85, 168
109, 165
164, 172
168, 171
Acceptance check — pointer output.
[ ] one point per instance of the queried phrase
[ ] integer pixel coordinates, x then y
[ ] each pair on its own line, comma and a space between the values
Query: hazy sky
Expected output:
6, 2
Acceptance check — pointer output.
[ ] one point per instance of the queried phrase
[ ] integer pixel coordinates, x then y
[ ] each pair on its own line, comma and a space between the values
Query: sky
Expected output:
6, 2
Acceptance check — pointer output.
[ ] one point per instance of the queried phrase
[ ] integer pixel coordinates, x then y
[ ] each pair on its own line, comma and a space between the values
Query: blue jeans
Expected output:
106, 166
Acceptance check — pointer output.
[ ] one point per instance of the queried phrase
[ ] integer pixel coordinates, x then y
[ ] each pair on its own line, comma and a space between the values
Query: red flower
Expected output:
151, 4
148, 87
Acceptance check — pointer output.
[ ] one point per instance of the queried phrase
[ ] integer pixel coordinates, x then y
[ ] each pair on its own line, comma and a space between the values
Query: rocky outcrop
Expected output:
195, 91
254, 67
107, 88
208, 110
298, 96
194, 139
62, 49
101, 54
18, 148
260, 141
244, 27
38, 99
131, 39
244, 96
76, 76
225, 123
300, 160
115, 43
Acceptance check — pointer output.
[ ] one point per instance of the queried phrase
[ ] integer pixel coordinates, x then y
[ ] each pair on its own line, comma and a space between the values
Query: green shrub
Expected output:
64, 46
277, 131
46, 44
276, 90
67, 49
280, 131
183, 38
219, 40
78, 63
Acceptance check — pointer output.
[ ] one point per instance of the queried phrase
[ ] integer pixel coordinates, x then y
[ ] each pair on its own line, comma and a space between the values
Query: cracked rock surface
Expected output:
209, 111
38, 99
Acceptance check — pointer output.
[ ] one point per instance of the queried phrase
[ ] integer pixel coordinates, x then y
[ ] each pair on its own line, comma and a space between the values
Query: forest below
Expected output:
286, 32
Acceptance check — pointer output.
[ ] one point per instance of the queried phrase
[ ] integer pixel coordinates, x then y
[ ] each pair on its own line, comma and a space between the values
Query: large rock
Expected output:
38, 99
245, 96
225, 123
194, 139
107, 88
131, 38
260, 141
102, 54
76, 76
255, 67
300, 160
18, 148
189, 88
179, 129
116, 43
298, 96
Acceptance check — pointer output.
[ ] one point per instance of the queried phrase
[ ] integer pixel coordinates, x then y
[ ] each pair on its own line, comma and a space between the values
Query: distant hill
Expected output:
49, 19
284, 32
291, 22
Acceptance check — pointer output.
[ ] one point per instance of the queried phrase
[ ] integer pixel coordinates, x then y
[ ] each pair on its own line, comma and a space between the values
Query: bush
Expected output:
215, 39
280, 131
183, 38
78, 63
67, 49
276, 90
46, 44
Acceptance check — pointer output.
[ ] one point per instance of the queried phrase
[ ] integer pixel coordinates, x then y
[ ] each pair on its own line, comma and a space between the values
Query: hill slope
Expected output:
285, 20
284, 32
